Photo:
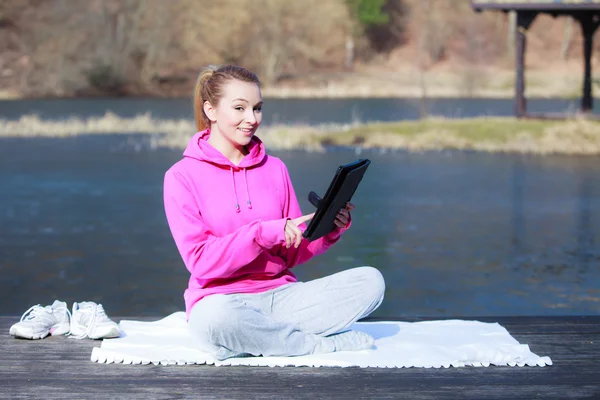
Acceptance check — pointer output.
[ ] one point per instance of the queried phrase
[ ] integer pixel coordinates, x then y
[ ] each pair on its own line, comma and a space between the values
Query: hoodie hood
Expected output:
199, 148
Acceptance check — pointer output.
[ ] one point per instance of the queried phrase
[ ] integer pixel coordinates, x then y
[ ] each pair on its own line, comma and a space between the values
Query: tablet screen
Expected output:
340, 191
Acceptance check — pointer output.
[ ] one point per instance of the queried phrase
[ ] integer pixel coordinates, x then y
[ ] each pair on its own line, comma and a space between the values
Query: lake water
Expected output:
454, 233
288, 111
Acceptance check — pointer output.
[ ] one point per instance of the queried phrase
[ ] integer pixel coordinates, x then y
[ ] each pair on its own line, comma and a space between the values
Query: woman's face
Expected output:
238, 114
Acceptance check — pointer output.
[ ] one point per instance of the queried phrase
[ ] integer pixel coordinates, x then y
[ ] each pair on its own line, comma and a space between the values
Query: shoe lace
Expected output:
97, 313
39, 312
34, 312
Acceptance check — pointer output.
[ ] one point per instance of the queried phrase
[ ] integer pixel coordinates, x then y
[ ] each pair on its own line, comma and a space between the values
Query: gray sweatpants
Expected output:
291, 320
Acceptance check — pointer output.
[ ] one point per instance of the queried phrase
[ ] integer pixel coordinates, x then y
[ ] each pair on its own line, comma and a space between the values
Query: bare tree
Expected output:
567, 38
290, 34
269, 36
132, 38
436, 29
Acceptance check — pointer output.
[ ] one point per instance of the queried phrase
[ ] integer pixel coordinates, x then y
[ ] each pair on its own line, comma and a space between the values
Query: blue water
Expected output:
288, 111
454, 233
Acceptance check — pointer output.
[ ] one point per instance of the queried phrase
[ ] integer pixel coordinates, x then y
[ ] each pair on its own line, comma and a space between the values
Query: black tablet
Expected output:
340, 191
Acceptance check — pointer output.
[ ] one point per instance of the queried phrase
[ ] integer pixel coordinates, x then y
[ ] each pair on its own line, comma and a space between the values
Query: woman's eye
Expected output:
259, 109
240, 108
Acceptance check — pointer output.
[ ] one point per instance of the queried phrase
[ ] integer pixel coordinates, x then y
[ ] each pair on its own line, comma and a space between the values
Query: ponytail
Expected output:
202, 121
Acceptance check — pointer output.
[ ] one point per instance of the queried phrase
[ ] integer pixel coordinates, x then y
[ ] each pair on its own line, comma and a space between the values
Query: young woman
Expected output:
237, 223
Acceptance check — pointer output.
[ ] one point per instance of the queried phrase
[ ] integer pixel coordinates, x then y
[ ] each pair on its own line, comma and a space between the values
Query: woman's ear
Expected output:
210, 111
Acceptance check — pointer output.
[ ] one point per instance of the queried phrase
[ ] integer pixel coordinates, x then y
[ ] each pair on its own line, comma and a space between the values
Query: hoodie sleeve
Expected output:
307, 249
205, 255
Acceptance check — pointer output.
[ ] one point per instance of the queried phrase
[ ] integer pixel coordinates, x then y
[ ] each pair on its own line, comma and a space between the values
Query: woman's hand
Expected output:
343, 217
293, 233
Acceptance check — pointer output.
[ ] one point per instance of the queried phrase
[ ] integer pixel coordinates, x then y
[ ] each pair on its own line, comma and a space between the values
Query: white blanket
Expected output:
429, 344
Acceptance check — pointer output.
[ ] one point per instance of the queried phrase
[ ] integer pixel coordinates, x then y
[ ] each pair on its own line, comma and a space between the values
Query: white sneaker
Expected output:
89, 320
39, 322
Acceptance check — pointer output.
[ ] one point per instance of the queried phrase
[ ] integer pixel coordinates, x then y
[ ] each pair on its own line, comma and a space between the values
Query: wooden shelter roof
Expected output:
550, 6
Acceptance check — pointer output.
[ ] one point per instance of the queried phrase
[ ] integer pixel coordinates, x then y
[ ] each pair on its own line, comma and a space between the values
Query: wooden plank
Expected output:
245, 382
526, 324
59, 367
564, 348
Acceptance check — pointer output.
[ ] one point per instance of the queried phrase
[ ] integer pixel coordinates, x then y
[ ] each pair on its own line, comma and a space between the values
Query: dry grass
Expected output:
32, 125
574, 136
474, 81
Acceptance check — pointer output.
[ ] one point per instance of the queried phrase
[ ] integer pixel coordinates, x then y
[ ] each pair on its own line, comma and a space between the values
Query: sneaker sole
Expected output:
27, 335
54, 331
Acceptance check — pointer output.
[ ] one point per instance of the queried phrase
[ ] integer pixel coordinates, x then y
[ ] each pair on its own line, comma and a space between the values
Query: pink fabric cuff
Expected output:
271, 233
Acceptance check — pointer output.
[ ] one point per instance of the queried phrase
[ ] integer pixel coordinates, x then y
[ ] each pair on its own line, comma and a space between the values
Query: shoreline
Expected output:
405, 82
311, 93
299, 96
575, 136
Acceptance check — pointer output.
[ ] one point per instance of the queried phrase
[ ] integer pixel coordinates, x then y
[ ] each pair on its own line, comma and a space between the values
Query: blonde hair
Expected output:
209, 87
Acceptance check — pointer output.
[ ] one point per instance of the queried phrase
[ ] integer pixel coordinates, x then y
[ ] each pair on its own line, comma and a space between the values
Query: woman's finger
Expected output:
298, 240
295, 235
289, 236
303, 219
349, 206
287, 240
295, 230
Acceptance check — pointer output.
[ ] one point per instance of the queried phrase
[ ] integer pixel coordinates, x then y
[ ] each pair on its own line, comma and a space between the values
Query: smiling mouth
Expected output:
247, 131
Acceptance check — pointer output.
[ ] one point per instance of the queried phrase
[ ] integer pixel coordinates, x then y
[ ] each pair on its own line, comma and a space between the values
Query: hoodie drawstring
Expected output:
237, 204
248, 202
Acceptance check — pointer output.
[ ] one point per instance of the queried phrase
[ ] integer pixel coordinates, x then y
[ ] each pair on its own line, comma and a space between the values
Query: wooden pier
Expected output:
60, 368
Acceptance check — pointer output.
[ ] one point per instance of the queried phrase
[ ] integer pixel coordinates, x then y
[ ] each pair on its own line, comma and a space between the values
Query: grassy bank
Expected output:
450, 82
405, 82
574, 136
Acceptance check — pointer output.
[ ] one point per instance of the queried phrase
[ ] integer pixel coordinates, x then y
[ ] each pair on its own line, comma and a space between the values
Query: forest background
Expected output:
302, 48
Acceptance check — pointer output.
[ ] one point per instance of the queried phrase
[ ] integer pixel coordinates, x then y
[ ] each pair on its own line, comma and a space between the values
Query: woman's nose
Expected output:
251, 117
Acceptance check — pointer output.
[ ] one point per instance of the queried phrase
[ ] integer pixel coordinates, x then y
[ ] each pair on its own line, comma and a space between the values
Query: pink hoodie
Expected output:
228, 220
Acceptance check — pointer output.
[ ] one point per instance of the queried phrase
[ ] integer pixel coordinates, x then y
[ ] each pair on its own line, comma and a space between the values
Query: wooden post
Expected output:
524, 20
588, 27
